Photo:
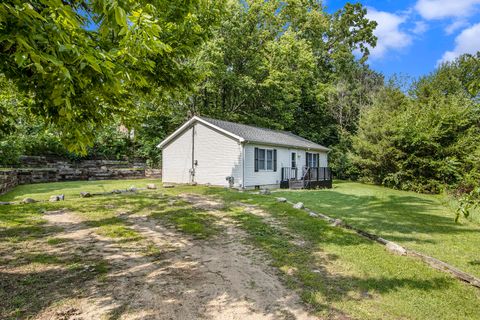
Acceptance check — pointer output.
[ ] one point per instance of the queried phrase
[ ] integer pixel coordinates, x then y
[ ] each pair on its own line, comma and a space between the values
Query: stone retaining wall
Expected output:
44, 169
8, 180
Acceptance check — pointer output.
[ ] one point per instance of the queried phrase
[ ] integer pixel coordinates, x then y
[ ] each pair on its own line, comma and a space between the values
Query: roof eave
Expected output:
191, 121
325, 149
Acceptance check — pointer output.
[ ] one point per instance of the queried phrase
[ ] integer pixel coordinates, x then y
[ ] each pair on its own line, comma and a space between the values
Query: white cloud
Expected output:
420, 27
458, 24
441, 9
466, 42
388, 32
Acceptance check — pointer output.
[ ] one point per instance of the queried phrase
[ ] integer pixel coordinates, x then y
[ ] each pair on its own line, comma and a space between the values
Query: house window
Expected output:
294, 159
269, 159
312, 160
261, 159
265, 159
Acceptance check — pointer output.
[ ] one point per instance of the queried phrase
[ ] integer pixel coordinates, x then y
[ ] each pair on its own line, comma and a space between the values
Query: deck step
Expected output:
295, 184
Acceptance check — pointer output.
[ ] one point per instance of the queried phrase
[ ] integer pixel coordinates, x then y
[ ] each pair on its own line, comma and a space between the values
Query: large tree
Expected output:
80, 61
426, 140
274, 63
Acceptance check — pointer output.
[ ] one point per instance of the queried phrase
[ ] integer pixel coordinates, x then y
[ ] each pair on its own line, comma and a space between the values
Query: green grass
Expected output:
71, 189
339, 272
417, 221
336, 272
189, 220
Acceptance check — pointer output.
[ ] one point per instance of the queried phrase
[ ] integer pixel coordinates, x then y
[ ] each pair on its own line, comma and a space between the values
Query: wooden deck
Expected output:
306, 178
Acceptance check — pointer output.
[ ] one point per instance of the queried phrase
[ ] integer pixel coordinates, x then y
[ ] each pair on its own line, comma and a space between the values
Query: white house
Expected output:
216, 152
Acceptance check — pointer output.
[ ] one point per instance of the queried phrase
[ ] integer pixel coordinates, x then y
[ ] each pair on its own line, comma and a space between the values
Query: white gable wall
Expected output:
218, 156
272, 178
177, 159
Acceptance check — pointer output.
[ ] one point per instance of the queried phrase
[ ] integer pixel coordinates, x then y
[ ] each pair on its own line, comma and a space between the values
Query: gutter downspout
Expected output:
243, 165
193, 155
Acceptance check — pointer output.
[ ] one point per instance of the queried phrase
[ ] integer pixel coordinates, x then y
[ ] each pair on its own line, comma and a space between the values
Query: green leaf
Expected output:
120, 16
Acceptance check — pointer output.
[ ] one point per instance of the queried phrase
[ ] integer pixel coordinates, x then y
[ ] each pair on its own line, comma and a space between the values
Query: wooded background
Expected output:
74, 72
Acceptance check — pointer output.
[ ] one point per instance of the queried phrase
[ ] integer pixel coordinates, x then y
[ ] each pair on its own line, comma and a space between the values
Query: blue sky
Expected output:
415, 35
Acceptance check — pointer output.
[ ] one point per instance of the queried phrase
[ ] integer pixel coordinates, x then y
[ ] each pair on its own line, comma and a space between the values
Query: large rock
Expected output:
85, 194
29, 200
299, 205
151, 186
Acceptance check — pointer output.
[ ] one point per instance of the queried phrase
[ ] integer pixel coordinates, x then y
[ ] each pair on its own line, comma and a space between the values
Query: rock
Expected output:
60, 197
132, 189
168, 186
312, 214
116, 191
5, 203
29, 200
85, 194
299, 205
151, 186
337, 222
396, 248
281, 199
264, 191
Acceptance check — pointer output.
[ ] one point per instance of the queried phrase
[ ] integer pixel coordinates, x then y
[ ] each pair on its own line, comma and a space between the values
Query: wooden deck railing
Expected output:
290, 173
310, 177
318, 174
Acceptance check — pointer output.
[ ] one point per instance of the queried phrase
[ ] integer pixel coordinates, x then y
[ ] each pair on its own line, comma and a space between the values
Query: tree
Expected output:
81, 60
276, 64
426, 141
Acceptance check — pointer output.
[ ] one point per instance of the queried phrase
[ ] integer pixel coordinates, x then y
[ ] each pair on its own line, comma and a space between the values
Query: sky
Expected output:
415, 36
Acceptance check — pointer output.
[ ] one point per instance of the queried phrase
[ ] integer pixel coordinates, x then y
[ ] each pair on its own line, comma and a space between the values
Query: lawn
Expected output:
336, 273
421, 222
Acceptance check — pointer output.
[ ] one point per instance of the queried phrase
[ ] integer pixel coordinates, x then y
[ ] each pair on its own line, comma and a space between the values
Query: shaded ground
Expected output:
421, 222
166, 275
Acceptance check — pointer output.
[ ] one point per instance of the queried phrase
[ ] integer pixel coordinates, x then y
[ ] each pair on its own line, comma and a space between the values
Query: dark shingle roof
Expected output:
264, 135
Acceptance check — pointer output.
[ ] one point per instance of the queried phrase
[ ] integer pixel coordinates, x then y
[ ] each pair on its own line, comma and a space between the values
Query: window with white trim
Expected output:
312, 160
261, 159
265, 159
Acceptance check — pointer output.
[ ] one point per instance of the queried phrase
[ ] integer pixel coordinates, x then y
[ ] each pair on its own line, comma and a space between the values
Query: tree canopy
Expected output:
81, 61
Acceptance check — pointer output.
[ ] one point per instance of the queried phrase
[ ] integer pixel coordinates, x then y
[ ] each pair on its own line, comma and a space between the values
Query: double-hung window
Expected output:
269, 159
312, 160
265, 159
261, 159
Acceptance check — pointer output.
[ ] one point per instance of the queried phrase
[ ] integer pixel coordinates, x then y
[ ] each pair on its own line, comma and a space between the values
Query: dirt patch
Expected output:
185, 278
202, 202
